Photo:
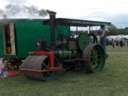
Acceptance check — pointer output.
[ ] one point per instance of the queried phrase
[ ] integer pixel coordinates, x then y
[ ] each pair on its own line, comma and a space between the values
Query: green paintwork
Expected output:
28, 32
98, 57
1, 41
83, 40
65, 30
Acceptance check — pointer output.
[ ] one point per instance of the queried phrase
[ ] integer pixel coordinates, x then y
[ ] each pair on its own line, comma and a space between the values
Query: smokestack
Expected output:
52, 28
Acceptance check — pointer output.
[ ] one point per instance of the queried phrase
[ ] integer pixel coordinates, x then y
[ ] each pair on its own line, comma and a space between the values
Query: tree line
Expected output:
117, 31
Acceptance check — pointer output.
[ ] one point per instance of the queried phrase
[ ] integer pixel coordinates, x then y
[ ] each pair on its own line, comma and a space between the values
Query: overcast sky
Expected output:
115, 11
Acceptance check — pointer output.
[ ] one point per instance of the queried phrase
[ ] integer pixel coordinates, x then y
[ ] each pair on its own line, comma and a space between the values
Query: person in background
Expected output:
127, 43
113, 43
121, 43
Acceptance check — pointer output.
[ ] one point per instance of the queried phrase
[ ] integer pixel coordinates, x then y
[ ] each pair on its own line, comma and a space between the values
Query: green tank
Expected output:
1, 41
26, 34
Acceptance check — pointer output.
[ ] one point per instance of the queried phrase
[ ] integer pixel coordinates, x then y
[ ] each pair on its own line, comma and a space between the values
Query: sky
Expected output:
115, 11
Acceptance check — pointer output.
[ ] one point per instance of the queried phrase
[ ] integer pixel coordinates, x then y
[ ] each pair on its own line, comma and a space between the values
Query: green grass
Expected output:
112, 81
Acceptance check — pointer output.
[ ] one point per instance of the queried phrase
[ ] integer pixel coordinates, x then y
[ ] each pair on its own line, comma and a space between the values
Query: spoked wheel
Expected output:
94, 56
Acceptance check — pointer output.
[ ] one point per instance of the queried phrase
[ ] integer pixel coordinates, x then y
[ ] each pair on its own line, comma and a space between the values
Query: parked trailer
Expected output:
72, 53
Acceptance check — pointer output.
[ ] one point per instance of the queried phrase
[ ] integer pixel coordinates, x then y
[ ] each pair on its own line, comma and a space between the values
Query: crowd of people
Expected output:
119, 43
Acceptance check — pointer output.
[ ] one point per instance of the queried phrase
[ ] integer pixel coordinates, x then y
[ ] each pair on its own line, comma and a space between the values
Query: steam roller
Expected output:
77, 53
66, 51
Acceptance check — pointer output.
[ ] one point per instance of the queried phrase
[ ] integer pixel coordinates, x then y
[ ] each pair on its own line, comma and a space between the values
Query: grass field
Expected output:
112, 81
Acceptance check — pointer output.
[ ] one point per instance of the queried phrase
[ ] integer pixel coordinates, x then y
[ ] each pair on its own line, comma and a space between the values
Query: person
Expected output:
2, 69
103, 38
93, 38
41, 44
127, 43
113, 43
121, 43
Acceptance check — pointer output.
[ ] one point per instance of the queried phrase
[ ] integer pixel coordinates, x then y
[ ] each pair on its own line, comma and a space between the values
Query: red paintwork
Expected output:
12, 73
51, 56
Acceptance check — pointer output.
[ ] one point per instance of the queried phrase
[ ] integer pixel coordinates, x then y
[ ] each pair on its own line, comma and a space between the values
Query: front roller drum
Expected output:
36, 67
94, 56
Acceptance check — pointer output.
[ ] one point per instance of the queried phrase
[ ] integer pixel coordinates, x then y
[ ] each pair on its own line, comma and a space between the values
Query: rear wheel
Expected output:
94, 56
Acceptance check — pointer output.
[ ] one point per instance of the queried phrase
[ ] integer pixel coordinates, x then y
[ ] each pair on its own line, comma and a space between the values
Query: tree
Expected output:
112, 30
118, 31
